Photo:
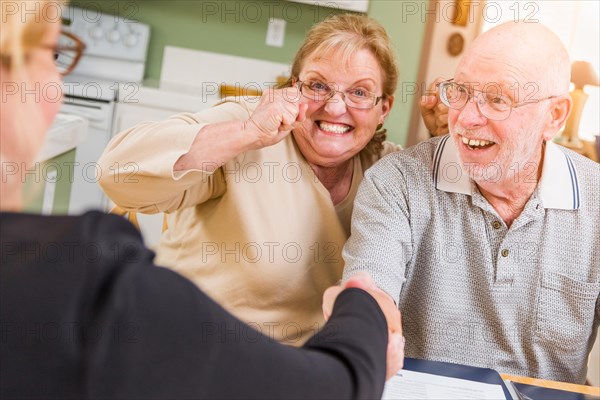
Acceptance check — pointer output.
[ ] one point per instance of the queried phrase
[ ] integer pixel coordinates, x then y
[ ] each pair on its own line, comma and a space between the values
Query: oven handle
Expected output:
92, 116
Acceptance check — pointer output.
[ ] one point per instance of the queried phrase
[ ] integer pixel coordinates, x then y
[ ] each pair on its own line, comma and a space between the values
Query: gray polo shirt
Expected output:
524, 300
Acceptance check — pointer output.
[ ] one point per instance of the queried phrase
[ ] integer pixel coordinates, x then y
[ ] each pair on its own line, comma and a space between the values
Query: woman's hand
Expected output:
278, 112
395, 349
433, 111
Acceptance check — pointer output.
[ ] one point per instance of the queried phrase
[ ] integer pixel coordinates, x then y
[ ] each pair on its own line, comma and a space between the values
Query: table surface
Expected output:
570, 387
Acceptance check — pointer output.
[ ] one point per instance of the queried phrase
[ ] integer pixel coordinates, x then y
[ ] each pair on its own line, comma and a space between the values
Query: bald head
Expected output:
529, 52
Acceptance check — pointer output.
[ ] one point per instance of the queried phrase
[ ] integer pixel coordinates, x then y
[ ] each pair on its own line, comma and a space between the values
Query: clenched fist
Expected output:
278, 112
433, 111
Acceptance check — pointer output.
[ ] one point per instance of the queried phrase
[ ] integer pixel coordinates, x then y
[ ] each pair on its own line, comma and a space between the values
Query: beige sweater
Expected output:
260, 234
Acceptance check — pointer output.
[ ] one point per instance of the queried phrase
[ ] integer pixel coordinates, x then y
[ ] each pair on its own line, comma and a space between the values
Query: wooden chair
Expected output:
150, 237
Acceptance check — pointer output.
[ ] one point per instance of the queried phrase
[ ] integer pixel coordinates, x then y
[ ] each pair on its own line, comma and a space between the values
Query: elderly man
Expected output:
487, 238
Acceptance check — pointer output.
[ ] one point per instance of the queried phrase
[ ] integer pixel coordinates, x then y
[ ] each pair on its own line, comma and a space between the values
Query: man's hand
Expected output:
278, 112
433, 111
362, 280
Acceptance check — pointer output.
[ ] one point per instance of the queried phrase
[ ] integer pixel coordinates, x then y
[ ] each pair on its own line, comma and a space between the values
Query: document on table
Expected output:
417, 385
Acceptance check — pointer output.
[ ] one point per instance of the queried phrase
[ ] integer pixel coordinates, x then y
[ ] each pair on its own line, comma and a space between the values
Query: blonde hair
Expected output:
22, 29
345, 34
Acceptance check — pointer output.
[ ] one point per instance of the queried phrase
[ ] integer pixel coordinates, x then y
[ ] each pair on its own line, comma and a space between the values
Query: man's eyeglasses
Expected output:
355, 98
491, 104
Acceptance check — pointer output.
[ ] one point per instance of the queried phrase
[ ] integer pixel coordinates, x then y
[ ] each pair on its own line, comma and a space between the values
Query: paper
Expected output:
417, 385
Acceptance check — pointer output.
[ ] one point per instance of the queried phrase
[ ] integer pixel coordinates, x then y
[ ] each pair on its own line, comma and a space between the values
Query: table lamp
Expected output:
582, 73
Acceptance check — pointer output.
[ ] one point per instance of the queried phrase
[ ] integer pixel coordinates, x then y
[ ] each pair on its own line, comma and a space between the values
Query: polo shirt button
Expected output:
496, 225
505, 253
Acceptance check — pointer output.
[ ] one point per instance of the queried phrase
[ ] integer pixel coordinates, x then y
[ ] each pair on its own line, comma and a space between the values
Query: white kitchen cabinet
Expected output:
49, 181
128, 115
352, 5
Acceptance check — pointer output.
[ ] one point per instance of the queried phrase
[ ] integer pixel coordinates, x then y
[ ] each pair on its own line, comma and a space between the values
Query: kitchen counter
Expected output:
47, 185
178, 98
65, 133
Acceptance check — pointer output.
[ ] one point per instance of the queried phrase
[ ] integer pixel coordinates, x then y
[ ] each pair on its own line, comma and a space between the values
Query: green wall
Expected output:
240, 28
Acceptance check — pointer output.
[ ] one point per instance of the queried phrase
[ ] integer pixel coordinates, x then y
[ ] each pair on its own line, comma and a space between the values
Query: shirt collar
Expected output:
558, 187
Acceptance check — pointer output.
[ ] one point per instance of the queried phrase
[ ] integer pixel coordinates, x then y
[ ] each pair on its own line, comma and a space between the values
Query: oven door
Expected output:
85, 192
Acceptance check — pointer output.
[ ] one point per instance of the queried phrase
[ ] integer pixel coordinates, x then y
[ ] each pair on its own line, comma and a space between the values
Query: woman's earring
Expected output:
379, 127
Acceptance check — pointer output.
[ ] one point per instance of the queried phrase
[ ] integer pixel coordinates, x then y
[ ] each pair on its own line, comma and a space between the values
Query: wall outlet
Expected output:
276, 32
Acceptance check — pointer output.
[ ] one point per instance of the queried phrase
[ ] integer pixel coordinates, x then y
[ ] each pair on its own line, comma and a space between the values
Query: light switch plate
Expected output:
276, 32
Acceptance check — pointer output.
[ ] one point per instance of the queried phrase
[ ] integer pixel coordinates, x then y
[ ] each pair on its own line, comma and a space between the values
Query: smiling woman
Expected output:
259, 193
335, 128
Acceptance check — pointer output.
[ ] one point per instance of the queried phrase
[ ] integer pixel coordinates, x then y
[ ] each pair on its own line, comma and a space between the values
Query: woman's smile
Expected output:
333, 128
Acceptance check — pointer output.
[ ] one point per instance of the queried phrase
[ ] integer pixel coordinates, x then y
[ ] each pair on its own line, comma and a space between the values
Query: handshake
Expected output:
362, 280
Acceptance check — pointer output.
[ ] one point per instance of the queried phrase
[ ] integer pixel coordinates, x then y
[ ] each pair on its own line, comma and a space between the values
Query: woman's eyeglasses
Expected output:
355, 98
68, 52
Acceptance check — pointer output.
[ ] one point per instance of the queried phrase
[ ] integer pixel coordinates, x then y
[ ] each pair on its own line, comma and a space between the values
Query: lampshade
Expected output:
583, 73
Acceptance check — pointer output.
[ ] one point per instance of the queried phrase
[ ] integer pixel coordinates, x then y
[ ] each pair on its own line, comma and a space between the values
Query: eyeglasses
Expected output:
68, 52
491, 104
355, 98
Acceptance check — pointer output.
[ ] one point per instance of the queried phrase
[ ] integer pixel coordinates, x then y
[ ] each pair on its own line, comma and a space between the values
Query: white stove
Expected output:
115, 57
116, 47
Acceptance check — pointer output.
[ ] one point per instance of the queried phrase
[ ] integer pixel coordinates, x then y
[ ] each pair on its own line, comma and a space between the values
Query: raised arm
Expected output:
173, 164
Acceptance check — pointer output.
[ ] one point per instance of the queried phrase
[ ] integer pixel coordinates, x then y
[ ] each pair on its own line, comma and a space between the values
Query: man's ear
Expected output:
560, 109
